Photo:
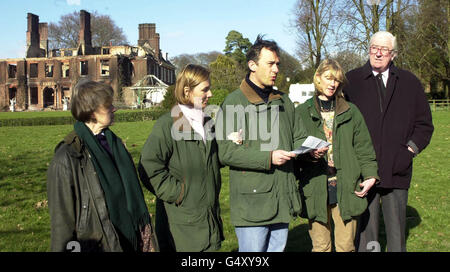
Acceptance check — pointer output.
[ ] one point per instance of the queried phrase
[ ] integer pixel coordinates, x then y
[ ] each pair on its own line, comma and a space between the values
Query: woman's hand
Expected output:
318, 153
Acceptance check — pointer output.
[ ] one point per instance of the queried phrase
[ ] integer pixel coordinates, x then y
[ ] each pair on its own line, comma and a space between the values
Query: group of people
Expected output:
375, 118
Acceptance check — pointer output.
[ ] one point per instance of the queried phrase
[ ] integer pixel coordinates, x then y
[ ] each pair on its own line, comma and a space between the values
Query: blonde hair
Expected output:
336, 72
191, 76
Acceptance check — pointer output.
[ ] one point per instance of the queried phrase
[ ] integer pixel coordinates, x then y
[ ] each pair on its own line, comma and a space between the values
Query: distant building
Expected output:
299, 93
44, 79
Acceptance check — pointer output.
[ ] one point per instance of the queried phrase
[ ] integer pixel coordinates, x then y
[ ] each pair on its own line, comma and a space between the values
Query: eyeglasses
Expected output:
384, 50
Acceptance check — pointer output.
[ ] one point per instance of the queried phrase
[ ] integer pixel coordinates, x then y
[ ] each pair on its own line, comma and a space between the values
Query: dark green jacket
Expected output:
354, 159
184, 174
76, 201
260, 193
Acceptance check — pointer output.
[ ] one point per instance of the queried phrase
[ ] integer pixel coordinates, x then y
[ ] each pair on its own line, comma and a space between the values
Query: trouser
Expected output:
393, 204
269, 238
344, 232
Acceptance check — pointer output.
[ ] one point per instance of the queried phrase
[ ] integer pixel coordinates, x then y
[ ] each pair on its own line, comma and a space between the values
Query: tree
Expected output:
288, 71
236, 47
289, 65
226, 73
203, 59
64, 34
182, 60
359, 20
169, 98
312, 24
422, 30
349, 60
427, 48
106, 32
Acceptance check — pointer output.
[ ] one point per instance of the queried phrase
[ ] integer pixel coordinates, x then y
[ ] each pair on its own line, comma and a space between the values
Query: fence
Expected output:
439, 104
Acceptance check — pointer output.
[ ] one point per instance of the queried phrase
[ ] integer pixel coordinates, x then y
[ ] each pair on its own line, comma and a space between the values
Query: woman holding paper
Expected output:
335, 180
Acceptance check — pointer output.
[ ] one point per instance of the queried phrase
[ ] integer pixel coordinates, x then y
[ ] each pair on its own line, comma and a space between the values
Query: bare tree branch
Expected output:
64, 34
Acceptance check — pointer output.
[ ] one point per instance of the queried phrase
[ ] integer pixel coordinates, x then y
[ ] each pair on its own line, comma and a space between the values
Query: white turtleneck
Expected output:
195, 117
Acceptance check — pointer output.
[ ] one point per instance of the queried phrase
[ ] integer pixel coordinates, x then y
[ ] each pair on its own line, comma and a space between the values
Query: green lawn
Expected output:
25, 153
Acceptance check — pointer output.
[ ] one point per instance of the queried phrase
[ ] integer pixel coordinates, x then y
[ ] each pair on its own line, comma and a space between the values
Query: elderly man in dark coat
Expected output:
398, 116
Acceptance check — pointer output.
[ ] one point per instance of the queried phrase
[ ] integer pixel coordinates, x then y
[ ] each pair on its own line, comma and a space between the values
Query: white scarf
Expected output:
195, 117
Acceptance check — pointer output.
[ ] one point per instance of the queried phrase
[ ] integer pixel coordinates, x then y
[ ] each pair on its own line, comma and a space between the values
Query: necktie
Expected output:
380, 84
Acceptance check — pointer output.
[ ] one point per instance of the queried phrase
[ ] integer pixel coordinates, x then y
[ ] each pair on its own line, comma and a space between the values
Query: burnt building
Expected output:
43, 79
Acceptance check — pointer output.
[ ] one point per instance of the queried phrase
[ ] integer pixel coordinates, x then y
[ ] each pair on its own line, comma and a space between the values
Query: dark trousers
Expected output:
393, 204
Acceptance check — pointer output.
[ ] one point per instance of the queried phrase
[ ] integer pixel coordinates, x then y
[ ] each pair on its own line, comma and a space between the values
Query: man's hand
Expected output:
365, 185
280, 157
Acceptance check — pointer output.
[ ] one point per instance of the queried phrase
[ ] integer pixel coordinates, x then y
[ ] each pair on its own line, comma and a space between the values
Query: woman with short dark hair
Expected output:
94, 195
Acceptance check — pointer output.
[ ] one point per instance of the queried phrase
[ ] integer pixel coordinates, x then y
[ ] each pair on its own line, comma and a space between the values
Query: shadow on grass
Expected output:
412, 220
299, 240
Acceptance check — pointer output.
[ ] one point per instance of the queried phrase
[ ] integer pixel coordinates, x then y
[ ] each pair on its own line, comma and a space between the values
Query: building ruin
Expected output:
44, 79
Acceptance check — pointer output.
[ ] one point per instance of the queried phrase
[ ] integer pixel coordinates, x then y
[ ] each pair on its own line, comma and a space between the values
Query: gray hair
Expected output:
387, 35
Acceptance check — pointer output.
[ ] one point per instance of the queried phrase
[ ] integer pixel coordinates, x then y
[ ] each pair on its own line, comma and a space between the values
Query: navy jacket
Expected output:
402, 118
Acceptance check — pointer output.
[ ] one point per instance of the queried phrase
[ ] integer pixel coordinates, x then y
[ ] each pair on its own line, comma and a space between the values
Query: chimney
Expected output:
154, 43
145, 31
85, 36
32, 36
147, 34
43, 37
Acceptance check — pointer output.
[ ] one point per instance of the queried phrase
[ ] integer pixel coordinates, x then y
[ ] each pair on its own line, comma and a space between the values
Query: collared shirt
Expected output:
195, 117
384, 76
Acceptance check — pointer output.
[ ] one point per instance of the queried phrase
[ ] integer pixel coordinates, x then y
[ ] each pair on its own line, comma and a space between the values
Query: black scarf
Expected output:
263, 93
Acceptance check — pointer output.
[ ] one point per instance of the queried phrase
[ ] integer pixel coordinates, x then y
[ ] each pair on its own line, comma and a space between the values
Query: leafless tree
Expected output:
360, 19
313, 22
64, 34
203, 59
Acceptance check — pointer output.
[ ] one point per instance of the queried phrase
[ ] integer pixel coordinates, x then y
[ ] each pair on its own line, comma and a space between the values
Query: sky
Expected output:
185, 26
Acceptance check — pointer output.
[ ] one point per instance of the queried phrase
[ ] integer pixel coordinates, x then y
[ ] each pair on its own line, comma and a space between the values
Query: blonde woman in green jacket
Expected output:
334, 181
179, 164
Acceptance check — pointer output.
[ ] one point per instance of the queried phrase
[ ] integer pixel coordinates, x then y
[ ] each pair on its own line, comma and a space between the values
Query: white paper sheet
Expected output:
311, 143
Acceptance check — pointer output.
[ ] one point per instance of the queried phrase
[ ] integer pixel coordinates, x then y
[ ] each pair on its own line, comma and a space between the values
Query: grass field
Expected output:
25, 153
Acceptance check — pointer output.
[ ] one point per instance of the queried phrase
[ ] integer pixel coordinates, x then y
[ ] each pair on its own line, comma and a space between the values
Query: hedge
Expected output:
130, 116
